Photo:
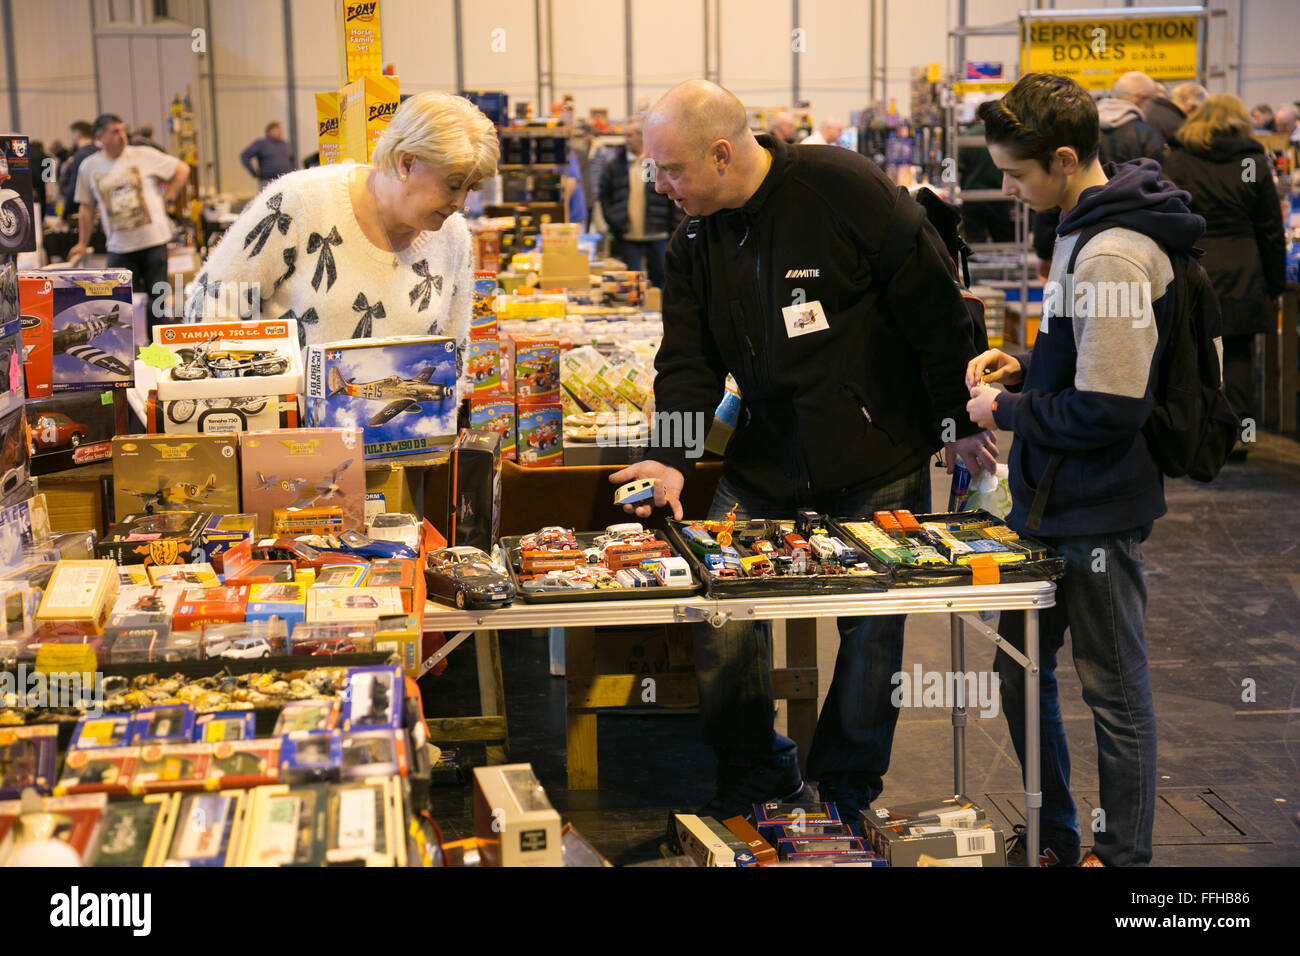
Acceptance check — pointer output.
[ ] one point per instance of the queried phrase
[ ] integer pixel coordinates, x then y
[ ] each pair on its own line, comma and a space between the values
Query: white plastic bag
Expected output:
990, 492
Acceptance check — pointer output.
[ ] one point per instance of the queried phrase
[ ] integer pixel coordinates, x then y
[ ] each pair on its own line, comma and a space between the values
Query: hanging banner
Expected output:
1098, 51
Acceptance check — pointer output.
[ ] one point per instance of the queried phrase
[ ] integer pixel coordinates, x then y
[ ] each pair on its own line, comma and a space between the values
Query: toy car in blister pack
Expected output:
200, 831
373, 698
242, 640
322, 640
374, 753
28, 758
133, 832
285, 826
101, 770
244, 763
362, 824
105, 730
166, 723
300, 715
227, 726
171, 767
311, 756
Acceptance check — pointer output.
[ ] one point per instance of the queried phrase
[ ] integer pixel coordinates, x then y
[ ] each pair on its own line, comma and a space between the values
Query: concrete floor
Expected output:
1223, 573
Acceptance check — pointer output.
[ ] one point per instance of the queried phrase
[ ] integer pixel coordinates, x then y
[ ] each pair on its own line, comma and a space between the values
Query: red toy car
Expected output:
301, 554
54, 430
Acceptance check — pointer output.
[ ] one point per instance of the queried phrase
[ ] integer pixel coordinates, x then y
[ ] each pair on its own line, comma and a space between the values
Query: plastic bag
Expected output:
990, 492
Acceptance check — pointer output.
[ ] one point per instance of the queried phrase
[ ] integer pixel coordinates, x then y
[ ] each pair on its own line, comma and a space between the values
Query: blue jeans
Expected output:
1102, 601
648, 256
733, 666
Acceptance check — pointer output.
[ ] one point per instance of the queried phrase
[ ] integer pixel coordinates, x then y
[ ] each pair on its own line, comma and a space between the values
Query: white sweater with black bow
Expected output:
297, 248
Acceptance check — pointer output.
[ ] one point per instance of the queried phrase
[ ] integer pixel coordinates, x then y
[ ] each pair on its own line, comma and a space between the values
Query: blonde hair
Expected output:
1221, 116
1188, 96
446, 131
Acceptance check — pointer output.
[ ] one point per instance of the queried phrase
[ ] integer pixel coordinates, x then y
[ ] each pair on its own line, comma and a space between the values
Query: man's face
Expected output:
1027, 181
635, 141
112, 139
275, 132
1284, 121
682, 171
1260, 118
832, 131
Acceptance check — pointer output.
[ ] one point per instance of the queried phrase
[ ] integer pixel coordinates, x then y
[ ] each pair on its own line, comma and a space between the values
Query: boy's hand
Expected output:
669, 483
993, 366
980, 408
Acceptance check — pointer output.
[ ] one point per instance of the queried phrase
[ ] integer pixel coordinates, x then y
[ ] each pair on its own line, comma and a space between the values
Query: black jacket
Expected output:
661, 216
1164, 116
843, 409
1245, 247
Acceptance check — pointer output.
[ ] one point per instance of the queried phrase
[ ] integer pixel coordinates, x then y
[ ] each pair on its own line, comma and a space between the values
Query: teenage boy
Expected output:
1082, 478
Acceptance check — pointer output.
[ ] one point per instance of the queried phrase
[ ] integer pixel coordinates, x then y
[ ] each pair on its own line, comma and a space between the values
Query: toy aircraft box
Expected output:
77, 330
74, 428
304, 468
218, 360
400, 390
175, 473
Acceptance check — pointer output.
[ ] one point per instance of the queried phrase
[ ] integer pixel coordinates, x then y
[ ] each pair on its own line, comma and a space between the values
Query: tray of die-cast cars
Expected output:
753, 558
622, 563
947, 549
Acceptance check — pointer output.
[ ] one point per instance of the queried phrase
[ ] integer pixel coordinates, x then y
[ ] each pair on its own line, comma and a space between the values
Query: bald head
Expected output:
1284, 120
1137, 88
700, 112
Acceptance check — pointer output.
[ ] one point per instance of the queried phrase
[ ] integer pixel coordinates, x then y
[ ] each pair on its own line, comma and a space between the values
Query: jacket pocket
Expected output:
744, 345
870, 412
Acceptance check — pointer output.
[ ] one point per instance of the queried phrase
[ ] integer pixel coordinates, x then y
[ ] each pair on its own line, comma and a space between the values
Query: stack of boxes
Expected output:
492, 404
350, 121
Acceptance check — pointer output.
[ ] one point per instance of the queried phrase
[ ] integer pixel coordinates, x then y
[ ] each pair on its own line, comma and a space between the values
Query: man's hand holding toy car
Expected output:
668, 485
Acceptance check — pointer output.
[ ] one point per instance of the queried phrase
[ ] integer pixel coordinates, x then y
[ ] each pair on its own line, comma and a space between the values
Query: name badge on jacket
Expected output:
804, 318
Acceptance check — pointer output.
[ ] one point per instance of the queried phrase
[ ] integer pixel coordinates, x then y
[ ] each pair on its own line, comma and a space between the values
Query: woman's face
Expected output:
430, 195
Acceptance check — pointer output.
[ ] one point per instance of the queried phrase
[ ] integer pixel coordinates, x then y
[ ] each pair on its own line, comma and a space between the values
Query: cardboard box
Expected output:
327, 605
941, 830
514, 818
167, 767
402, 635
399, 573
390, 490
484, 366
483, 314
368, 104
244, 763
359, 48
181, 473
200, 607
763, 851
474, 490
14, 458
401, 390
534, 368
197, 575
329, 127
102, 770
223, 531
219, 416
81, 592
76, 330
172, 537
495, 413
140, 620
222, 359
13, 383
17, 175
74, 428
29, 757
541, 439
699, 842
303, 468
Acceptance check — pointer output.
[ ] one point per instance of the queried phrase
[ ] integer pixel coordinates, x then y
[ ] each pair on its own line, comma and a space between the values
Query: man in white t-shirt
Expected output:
123, 181
827, 134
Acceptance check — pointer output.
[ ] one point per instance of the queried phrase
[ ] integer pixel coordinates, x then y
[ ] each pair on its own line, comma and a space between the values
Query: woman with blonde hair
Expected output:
353, 251
1215, 158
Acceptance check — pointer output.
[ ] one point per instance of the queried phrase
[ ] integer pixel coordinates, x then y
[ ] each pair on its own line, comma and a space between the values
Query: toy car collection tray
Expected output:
1042, 564
744, 532
587, 539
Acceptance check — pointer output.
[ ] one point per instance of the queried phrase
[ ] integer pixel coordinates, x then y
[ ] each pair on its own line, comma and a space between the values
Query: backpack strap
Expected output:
900, 231
1085, 236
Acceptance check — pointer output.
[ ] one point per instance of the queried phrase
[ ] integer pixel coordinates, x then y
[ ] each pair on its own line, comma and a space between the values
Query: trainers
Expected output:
1049, 854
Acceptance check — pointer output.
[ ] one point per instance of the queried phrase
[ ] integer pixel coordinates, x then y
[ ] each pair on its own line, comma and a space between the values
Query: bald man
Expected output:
783, 126
826, 134
1125, 132
799, 274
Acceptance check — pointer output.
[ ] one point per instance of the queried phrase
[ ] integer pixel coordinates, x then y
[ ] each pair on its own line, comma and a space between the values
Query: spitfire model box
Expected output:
76, 330
155, 473
401, 390
304, 468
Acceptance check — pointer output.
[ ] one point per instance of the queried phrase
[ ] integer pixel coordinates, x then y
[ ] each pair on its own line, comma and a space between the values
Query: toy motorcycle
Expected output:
15, 217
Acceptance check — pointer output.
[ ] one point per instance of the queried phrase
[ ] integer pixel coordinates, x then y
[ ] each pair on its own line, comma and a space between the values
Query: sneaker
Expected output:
1049, 854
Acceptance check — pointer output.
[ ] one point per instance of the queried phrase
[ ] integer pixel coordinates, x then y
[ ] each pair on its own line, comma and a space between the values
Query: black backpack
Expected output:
1192, 427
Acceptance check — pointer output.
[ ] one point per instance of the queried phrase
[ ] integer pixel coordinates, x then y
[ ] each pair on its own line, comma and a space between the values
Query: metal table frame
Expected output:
961, 604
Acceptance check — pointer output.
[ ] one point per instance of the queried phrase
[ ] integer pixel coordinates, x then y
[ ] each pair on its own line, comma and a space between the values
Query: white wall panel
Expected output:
56, 72
419, 39
501, 48
667, 47
247, 46
755, 63
833, 72
590, 54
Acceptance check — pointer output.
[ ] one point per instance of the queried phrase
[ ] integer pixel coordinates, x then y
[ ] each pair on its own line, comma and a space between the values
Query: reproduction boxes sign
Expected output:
1097, 51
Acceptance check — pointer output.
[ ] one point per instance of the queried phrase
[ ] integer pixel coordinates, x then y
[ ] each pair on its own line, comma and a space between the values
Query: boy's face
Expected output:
1027, 181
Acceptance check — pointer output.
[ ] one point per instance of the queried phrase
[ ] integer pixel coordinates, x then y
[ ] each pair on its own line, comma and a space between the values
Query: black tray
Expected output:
743, 587
587, 539
1051, 568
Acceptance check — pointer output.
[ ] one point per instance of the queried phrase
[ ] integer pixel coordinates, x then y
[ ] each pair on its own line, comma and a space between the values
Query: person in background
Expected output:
58, 151
83, 145
144, 137
783, 127
123, 181
36, 157
272, 155
1284, 121
640, 218
1125, 133
1188, 96
1164, 115
982, 221
580, 146
1244, 242
1262, 117
827, 134
574, 197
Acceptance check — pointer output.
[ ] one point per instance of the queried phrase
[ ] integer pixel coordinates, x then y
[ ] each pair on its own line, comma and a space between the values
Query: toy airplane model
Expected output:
182, 496
325, 488
74, 339
405, 394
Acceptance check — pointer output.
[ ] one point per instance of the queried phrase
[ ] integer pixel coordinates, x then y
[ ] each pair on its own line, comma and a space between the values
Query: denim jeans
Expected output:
733, 666
1102, 601
644, 255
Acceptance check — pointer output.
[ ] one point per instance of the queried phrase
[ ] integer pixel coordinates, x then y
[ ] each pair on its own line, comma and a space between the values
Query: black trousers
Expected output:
149, 275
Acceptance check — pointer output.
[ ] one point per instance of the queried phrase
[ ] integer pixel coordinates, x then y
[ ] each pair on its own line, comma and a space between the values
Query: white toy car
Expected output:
248, 648
402, 528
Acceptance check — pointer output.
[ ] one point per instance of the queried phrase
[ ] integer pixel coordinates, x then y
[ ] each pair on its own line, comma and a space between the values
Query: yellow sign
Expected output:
1097, 52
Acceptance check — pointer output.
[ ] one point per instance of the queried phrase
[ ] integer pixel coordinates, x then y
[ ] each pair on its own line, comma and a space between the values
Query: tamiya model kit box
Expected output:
514, 818
28, 758
474, 491
401, 390
17, 178
170, 537
954, 831
179, 473
220, 360
541, 441
74, 428
77, 330
304, 468
495, 413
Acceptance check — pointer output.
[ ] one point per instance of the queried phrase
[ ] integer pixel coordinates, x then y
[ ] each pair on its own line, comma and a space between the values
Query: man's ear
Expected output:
720, 155
1068, 158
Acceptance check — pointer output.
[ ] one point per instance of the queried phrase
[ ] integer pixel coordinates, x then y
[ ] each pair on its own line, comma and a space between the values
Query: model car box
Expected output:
222, 531
532, 365
133, 832
200, 606
495, 413
17, 179
204, 829
699, 841
398, 573
77, 330
18, 604
243, 570
514, 818
403, 636
340, 576
164, 723
223, 360
28, 758
197, 575
13, 384
541, 441
80, 593
102, 770
366, 105
141, 618
14, 457
244, 763
326, 605
301, 715
180, 473
400, 390
234, 725
103, 730
311, 756
171, 537
285, 826
474, 490
304, 468
245, 639
954, 831
364, 823
78, 822
373, 698
180, 766
292, 613
374, 753
74, 428
770, 818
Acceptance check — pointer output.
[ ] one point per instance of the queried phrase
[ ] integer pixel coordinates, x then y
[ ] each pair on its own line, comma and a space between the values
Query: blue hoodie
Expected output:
1087, 383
